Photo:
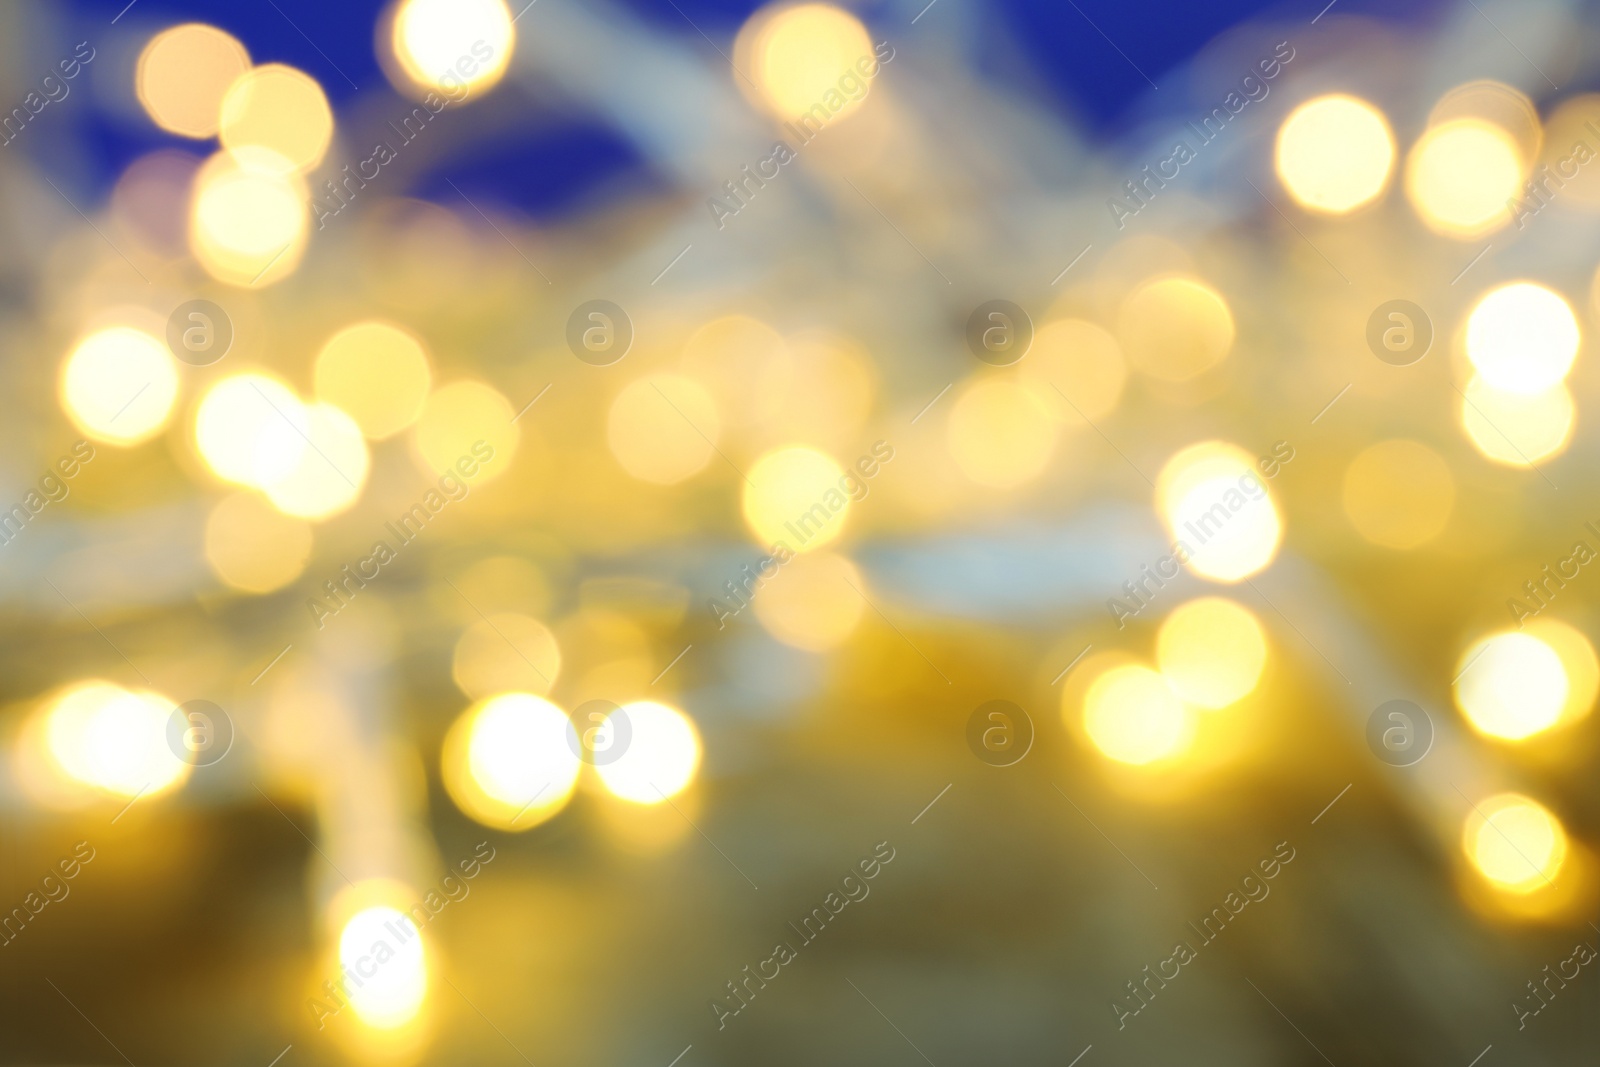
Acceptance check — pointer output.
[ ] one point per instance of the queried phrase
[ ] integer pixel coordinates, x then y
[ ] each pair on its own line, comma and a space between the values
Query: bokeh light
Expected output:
377, 373
1399, 494
1522, 338
251, 429
118, 385
1461, 175
1511, 686
467, 419
1175, 328
505, 652
392, 981
508, 763
452, 46
250, 223
799, 53
1133, 716
1211, 651
1216, 505
114, 739
661, 757
254, 547
279, 108
663, 428
1515, 842
1517, 429
1335, 153
813, 602
796, 495
182, 75
329, 471
998, 435
1074, 371
1578, 661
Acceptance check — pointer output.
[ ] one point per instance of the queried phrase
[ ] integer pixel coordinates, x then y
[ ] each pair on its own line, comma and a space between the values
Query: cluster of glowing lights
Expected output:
796, 495
382, 948
1212, 651
1460, 176
1214, 502
119, 385
798, 54
113, 739
453, 46
1335, 153
1515, 843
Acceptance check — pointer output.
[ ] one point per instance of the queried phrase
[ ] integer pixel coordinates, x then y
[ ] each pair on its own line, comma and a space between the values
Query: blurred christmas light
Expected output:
998, 435
1074, 371
1578, 661
457, 417
329, 472
1517, 429
1522, 338
1335, 153
251, 429
798, 54
1515, 843
278, 108
112, 739
254, 547
663, 428
506, 652
796, 495
377, 373
813, 602
1211, 651
1175, 328
1133, 716
249, 224
448, 45
1213, 501
383, 950
509, 763
182, 75
1511, 686
660, 758
118, 385
1399, 494
1461, 175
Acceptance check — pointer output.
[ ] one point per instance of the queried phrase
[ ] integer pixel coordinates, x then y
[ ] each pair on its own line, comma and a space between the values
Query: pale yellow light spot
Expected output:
249, 224
1175, 328
799, 55
254, 547
119, 385
1578, 660
506, 652
107, 737
250, 429
1512, 686
796, 495
182, 75
1515, 842
376, 372
511, 762
454, 46
1211, 651
1517, 429
282, 109
1074, 371
1399, 494
1522, 338
813, 602
390, 994
1214, 502
467, 419
1335, 153
744, 362
1133, 716
330, 471
663, 428
823, 394
1461, 174
661, 756
998, 435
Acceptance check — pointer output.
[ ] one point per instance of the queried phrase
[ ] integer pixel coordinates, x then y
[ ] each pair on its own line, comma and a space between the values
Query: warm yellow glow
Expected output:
118, 385
1211, 651
1515, 842
661, 757
1460, 176
823, 393
1522, 338
105, 736
506, 652
1074, 371
1175, 328
451, 46
330, 471
250, 429
998, 435
455, 418
1512, 686
382, 947
663, 428
1516, 429
249, 224
795, 495
282, 109
1578, 660
377, 373
810, 603
182, 75
508, 762
1399, 494
1133, 716
1335, 153
800, 53
254, 547
1217, 507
